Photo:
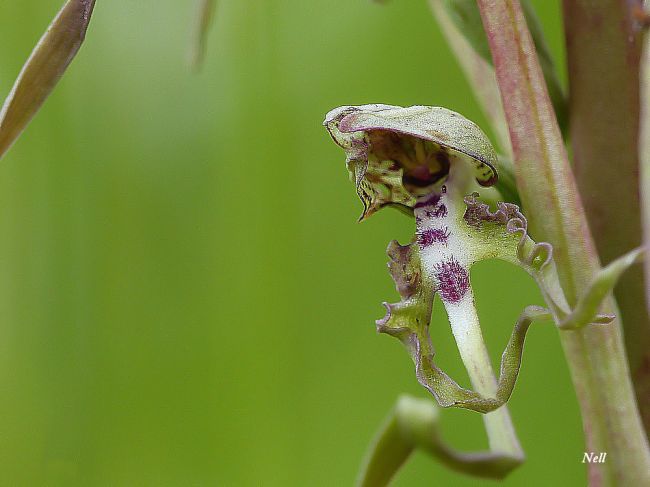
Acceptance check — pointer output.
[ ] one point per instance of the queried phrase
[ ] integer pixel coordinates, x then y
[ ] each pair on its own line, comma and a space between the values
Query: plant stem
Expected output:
603, 61
596, 355
644, 190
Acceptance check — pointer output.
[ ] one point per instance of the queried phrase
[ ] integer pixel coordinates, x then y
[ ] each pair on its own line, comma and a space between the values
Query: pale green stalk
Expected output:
596, 355
603, 67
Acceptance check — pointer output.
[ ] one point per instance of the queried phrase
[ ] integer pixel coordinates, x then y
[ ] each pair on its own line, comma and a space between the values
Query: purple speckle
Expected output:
433, 235
453, 280
431, 201
440, 211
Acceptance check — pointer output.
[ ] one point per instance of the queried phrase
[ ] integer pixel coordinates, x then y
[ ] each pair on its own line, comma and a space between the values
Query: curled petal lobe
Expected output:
404, 267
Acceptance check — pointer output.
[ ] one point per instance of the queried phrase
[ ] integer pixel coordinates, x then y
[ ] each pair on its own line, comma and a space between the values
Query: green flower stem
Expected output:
603, 70
642, 375
644, 155
595, 354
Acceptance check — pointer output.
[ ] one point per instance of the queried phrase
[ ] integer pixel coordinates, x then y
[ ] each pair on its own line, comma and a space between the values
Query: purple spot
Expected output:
453, 280
431, 201
433, 235
440, 211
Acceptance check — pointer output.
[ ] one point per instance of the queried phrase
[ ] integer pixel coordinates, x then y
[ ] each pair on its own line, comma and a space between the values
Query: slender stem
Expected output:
596, 355
603, 59
642, 375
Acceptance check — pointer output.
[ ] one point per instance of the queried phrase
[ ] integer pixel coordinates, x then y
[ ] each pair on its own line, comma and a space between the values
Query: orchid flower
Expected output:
430, 162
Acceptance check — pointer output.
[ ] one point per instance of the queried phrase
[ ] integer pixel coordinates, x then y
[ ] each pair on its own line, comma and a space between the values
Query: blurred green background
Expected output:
185, 295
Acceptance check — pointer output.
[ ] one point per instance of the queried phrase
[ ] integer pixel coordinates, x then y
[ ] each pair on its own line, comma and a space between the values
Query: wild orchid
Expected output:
429, 163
